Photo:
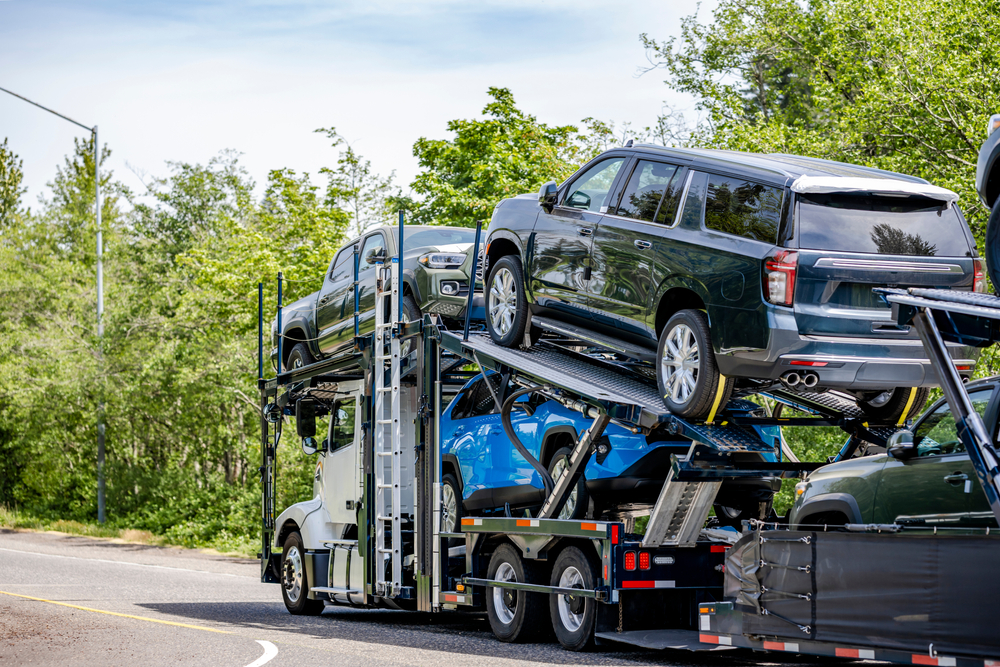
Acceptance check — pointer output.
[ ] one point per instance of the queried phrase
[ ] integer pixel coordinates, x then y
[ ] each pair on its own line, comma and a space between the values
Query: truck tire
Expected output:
686, 373
515, 616
573, 618
299, 356
294, 581
888, 406
578, 502
506, 302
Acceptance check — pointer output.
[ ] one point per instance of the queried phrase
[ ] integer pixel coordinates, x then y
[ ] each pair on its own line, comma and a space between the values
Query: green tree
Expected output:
353, 187
11, 190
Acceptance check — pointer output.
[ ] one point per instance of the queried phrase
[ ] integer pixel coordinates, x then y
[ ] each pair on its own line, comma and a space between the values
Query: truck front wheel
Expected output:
299, 357
515, 616
294, 581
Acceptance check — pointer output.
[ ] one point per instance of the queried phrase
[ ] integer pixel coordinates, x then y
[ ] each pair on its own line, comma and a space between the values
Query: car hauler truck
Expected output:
371, 537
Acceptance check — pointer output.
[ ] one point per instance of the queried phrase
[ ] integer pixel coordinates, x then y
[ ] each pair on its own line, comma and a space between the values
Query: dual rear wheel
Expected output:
520, 616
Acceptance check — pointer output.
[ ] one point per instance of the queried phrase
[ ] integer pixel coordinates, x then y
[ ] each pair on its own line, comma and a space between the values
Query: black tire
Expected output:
582, 500
993, 245
411, 311
573, 618
889, 409
299, 356
735, 514
294, 580
451, 513
688, 325
516, 616
507, 324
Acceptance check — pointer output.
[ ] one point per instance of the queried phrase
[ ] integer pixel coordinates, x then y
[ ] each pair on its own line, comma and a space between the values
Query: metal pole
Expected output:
472, 280
100, 332
260, 331
399, 255
281, 334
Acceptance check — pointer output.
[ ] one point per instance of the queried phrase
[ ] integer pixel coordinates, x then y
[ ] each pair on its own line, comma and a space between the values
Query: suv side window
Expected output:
937, 434
343, 268
476, 400
342, 429
592, 190
743, 208
694, 202
652, 192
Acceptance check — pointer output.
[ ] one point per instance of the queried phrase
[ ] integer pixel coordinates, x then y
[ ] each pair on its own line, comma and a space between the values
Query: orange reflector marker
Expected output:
468, 522
524, 522
588, 526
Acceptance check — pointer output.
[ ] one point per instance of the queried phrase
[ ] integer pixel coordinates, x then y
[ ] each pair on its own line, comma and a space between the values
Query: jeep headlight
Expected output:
442, 260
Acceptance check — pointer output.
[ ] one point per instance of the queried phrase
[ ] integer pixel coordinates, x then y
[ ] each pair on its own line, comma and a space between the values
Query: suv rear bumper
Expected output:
850, 363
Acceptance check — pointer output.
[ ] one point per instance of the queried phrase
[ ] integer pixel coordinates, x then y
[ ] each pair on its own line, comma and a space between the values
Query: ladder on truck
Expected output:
386, 441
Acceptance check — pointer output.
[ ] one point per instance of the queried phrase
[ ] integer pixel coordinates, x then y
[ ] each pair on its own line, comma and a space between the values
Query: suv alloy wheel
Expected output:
686, 373
506, 305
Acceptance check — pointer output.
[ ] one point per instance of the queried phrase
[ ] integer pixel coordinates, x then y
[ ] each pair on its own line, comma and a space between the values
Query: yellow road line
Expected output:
114, 613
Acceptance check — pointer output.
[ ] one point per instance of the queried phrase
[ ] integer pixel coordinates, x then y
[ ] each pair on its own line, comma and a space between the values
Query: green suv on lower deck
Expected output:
931, 481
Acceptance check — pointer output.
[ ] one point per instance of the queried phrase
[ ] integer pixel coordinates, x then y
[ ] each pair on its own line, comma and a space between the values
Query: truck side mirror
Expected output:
900, 445
305, 418
547, 195
375, 255
309, 446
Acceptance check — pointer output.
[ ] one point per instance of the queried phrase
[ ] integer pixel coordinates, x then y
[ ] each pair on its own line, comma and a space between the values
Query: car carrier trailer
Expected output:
372, 537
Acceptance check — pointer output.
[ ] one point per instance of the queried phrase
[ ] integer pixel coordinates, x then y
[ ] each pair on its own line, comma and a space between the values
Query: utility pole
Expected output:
100, 301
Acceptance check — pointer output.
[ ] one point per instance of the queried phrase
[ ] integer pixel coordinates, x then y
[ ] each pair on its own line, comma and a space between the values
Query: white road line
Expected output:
270, 650
125, 562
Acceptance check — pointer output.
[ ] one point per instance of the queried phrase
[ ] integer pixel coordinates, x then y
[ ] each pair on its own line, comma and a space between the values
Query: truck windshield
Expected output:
880, 224
420, 238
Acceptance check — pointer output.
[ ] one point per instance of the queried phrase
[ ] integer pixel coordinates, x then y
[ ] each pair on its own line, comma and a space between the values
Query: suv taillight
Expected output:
979, 279
779, 274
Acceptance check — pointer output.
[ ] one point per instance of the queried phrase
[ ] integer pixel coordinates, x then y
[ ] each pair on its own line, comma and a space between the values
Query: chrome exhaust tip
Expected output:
810, 380
791, 379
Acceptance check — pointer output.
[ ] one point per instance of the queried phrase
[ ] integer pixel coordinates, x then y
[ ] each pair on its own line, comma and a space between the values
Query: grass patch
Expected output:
224, 544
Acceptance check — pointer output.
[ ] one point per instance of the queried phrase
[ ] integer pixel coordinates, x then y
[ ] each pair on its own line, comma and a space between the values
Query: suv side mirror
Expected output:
547, 195
900, 445
375, 255
305, 418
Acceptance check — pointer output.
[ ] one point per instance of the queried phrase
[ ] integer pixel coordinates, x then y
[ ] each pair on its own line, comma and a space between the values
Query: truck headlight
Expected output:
800, 488
442, 260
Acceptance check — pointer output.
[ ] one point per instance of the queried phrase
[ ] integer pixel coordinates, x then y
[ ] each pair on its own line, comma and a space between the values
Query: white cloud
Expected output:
181, 81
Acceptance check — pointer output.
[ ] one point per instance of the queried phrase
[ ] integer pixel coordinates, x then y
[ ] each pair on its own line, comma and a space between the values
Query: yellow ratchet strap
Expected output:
909, 404
718, 399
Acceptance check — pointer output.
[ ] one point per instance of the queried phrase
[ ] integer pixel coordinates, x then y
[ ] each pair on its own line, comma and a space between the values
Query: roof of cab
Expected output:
778, 166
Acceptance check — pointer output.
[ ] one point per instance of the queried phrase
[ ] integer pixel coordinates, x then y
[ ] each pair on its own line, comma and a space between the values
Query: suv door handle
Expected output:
642, 245
586, 231
956, 478
323, 300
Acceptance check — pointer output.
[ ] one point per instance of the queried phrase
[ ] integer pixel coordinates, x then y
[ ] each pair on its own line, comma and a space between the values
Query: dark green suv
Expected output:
928, 478
726, 269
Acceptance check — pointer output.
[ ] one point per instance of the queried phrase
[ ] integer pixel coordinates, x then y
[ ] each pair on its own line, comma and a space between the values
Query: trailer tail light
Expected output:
629, 560
643, 560
779, 277
979, 276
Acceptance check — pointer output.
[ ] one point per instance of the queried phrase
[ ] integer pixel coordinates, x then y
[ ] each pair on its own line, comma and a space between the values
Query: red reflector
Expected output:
629, 560
614, 534
979, 276
643, 560
638, 584
718, 549
963, 368
802, 362
846, 652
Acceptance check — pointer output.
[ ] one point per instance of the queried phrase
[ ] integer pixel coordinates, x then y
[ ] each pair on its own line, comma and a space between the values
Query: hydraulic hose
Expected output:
508, 428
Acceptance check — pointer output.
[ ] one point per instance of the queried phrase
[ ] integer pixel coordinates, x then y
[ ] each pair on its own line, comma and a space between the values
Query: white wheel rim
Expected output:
569, 508
449, 509
503, 301
505, 599
571, 620
680, 364
292, 579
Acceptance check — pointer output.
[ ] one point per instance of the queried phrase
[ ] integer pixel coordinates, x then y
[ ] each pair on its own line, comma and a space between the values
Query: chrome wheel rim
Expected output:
297, 362
503, 301
505, 599
571, 607
569, 508
680, 364
449, 508
292, 579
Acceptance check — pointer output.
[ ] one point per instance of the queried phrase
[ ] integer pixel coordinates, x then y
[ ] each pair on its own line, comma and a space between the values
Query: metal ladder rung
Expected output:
383, 486
384, 453
383, 421
386, 389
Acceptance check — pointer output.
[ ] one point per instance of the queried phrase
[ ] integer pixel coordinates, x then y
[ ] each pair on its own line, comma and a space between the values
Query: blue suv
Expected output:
483, 473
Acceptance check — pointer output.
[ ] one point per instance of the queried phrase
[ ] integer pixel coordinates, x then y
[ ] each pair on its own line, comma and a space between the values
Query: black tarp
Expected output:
903, 591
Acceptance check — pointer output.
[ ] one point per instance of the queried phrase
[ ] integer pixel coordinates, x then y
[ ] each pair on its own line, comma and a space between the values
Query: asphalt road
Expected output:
74, 600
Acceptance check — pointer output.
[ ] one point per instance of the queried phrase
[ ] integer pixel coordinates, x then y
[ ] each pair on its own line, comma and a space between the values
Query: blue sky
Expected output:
180, 81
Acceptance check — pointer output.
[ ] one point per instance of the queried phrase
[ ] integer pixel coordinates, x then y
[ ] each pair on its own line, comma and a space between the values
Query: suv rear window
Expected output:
743, 208
880, 225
